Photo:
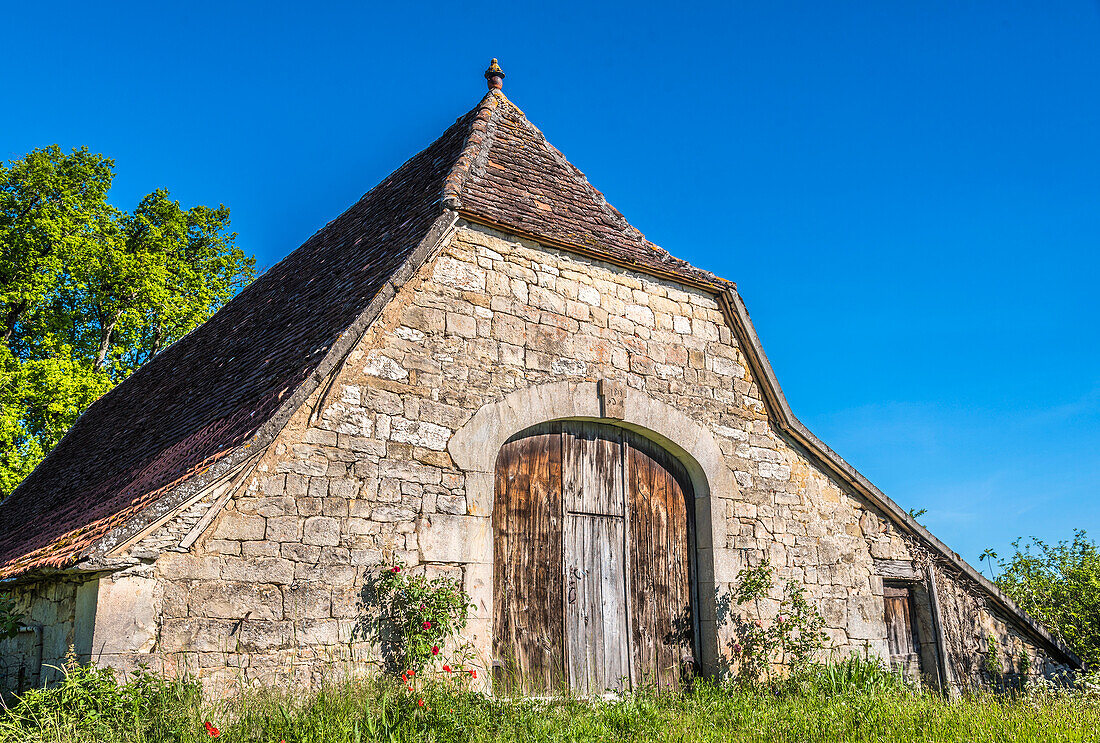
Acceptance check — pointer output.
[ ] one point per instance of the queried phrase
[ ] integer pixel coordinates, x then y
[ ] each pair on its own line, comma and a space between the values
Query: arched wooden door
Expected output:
593, 529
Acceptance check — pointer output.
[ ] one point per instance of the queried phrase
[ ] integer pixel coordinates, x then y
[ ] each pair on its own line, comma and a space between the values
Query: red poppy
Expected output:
212, 731
409, 688
395, 569
473, 673
420, 703
426, 625
435, 650
447, 669
410, 672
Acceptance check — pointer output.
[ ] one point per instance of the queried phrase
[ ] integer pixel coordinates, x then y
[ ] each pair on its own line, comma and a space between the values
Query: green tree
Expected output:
88, 293
1059, 584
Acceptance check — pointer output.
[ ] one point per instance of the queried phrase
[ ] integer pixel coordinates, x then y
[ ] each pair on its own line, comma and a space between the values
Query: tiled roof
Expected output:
512, 177
210, 392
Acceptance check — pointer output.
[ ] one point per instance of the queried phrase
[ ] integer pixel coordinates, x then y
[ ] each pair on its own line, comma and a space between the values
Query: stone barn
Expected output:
480, 370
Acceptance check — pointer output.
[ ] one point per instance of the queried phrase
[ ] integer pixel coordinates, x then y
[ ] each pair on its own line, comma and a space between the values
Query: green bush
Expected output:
1058, 584
426, 614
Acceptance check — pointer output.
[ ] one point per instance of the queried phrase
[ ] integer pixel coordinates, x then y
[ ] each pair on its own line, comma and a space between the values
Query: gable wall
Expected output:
361, 476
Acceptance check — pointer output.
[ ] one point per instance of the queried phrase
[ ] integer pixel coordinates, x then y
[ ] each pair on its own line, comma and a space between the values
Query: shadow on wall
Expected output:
374, 625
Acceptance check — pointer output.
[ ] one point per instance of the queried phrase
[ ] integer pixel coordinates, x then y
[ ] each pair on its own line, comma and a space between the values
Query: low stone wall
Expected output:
54, 613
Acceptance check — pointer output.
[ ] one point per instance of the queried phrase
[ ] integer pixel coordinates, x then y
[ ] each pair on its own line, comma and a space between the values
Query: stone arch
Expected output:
475, 447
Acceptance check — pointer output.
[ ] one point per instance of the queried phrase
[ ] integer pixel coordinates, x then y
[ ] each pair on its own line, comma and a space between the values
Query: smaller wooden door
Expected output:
901, 632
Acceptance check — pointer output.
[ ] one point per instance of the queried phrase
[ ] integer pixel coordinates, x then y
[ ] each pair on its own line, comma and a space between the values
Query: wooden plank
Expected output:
595, 607
898, 634
592, 469
899, 569
661, 511
944, 668
528, 637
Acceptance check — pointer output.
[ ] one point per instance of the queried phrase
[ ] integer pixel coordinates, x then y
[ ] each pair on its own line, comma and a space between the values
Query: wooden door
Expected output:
527, 582
593, 577
901, 635
661, 566
597, 648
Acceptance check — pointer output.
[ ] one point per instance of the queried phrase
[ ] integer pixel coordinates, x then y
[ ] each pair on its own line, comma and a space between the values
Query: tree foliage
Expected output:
88, 292
1059, 584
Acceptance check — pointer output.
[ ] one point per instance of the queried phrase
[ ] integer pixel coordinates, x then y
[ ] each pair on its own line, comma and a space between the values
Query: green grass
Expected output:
829, 707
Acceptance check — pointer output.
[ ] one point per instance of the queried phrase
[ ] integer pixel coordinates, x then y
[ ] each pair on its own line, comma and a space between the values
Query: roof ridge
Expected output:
476, 144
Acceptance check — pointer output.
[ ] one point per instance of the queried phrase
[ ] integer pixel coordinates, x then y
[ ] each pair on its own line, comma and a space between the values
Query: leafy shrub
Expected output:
10, 618
794, 637
1059, 584
427, 613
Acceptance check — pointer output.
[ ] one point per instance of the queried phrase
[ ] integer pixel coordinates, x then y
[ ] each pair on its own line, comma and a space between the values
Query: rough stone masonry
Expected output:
264, 578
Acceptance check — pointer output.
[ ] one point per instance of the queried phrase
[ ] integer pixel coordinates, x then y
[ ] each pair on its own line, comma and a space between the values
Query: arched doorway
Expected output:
593, 561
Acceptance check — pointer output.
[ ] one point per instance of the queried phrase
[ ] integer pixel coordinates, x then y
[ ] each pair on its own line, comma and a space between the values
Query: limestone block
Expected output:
366, 557
773, 471
568, 367
180, 566
284, 528
640, 315
866, 618
384, 367
309, 601
420, 433
196, 635
259, 569
447, 538
391, 514
256, 636
464, 326
259, 549
234, 525
237, 600
321, 530
318, 632
126, 615
477, 581
453, 504
458, 274
297, 552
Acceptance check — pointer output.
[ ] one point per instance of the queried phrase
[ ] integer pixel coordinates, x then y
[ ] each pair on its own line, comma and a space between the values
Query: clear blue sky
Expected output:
907, 194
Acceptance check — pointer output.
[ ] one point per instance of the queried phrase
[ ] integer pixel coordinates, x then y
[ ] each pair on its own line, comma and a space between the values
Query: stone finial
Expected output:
494, 76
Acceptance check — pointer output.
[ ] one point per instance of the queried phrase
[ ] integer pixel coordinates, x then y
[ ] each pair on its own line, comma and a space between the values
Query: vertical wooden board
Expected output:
528, 637
898, 632
660, 501
595, 606
901, 636
592, 479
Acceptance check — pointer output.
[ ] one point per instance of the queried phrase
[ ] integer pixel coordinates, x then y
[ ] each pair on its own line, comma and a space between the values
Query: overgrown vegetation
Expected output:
89, 292
855, 700
793, 637
1058, 584
10, 618
427, 616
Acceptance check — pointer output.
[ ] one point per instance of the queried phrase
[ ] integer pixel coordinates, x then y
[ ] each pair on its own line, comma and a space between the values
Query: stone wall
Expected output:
362, 477
50, 610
